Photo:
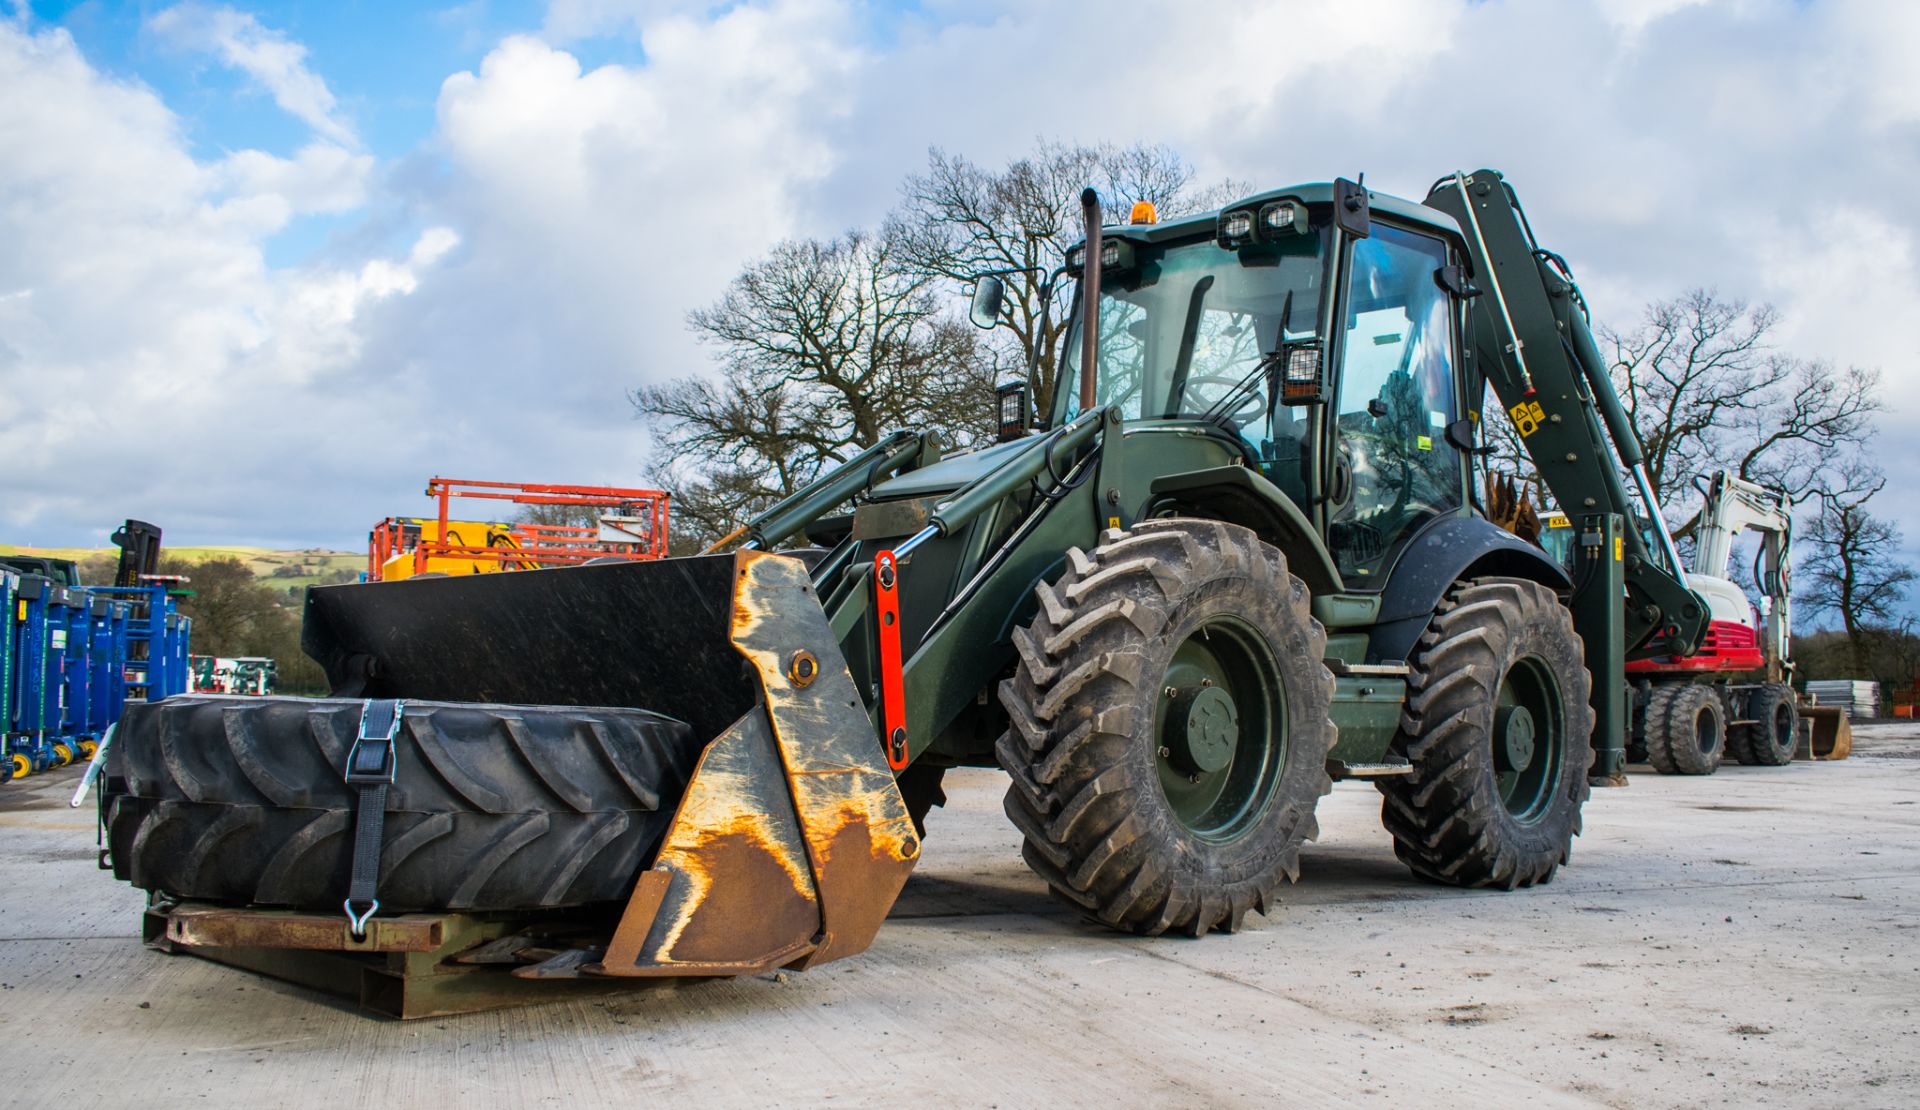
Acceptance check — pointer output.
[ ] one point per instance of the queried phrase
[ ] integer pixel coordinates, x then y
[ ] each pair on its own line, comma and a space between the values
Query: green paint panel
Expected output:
1366, 709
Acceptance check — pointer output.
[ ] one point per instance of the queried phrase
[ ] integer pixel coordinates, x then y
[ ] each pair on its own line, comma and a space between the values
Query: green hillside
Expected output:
290, 569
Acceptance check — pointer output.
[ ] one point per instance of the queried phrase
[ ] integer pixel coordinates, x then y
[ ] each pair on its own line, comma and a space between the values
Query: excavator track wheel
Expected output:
1169, 728
1686, 729
1774, 734
1497, 726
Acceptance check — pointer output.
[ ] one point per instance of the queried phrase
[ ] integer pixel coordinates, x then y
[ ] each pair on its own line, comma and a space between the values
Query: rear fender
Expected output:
1450, 549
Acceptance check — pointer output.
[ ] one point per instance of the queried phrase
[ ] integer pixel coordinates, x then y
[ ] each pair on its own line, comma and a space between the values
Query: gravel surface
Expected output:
1744, 939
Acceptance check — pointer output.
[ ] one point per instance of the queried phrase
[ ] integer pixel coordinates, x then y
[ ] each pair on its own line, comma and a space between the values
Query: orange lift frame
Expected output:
531, 545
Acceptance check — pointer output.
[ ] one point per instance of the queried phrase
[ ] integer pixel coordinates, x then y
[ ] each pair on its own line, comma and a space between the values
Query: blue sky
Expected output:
322, 252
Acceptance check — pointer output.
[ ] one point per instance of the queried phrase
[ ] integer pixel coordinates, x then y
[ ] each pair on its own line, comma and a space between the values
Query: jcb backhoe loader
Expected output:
1238, 561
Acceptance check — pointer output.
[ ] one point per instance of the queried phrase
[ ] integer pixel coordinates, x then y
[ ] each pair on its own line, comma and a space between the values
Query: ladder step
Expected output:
1370, 670
1367, 770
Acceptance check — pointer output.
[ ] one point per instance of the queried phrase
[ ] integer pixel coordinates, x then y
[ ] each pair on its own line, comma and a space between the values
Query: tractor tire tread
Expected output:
242, 801
1446, 817
1078, 795
1672, 743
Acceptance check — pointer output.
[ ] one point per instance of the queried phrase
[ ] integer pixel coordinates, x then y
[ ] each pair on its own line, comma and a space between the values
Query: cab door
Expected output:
1396, 390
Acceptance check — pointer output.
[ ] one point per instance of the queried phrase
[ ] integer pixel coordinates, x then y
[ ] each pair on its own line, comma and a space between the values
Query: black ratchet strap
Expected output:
370, 771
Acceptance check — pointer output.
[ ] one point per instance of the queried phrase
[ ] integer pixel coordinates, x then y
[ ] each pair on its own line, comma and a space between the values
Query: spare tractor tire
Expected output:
241, 800
1686, 729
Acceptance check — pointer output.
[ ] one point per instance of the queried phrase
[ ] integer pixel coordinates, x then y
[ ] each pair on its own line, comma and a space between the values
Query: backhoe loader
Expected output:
1240, 560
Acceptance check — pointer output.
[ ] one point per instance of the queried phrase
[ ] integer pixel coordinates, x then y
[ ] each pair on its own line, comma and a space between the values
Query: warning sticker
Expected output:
1527, 417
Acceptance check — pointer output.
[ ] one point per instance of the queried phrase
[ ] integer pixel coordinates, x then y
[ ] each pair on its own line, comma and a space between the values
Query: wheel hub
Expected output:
1514, 739
1206, 729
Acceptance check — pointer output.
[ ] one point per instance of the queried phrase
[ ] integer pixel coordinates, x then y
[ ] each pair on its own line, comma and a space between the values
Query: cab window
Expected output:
1396, 395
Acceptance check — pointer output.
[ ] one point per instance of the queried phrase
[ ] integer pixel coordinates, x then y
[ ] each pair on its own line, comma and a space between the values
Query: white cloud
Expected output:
278, 63
150, 360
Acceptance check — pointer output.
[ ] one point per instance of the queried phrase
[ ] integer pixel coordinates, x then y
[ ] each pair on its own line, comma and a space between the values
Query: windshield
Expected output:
1190, 323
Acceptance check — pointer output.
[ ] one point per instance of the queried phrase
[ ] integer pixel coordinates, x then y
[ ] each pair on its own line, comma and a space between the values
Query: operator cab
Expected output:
1342, 400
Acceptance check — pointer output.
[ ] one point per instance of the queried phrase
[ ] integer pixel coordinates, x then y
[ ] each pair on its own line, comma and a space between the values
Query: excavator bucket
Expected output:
791, 841
1829, 733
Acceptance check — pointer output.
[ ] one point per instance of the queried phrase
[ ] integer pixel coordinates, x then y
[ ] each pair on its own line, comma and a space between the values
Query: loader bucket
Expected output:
790, 843
1829, 733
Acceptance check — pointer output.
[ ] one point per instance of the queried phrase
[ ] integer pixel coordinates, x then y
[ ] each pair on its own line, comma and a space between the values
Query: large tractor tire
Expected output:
1773, 736
1498, 727
241, 800
1686, 729
1169, 728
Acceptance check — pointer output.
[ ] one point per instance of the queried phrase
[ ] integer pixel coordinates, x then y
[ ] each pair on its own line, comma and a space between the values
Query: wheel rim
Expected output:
1220, 730
1529, 739
21, 766
1783, 726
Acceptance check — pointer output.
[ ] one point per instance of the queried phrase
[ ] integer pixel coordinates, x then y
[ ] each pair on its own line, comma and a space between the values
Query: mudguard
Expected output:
1448, 549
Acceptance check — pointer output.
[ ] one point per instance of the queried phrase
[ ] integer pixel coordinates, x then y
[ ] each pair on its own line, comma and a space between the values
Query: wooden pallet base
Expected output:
414, 966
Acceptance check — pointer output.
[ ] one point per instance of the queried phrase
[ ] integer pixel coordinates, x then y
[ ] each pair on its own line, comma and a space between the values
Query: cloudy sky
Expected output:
266, 268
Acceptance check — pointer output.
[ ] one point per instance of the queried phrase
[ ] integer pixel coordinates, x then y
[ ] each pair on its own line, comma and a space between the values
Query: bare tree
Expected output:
960, 219
1706, 390
824, 348
1854, 571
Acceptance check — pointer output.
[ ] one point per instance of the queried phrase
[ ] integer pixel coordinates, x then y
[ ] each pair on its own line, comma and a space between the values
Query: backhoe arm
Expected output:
1532, 343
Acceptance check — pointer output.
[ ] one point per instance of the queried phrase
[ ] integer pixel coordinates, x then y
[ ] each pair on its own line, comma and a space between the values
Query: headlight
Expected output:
1116, 255
1283, 218
1236, 229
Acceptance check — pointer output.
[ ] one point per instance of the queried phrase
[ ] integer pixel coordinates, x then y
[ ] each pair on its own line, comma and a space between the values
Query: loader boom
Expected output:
1531, 340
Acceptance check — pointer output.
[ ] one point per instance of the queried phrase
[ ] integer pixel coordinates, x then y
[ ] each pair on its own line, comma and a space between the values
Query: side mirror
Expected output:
1010, 409
1460, 435
1352, 212
989, 300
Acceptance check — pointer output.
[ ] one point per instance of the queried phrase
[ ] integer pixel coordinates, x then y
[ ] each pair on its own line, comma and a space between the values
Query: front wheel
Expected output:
1686, 729
1498, 729
1170, 728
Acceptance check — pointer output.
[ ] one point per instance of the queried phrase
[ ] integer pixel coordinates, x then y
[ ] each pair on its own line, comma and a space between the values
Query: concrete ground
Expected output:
1752, 938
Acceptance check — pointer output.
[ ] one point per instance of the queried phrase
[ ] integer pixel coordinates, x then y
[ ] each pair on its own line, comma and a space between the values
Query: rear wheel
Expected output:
19, 765
1686, 729
1771, 739
242, 800
1170, 728
1498, 729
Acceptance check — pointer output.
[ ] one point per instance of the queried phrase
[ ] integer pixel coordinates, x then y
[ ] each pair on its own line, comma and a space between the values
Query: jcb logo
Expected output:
1527, 417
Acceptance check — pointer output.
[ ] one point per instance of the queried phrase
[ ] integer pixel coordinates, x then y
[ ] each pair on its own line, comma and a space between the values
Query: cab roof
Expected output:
1318, 196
